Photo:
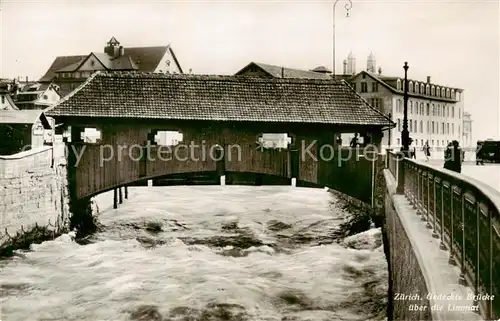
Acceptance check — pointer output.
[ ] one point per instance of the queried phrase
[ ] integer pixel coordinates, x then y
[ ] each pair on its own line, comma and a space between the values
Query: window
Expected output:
447, 111
453, 94
444, 111
44, 97
374, 86
399, 124
442, 142
438, 91
448, 93
459, 114
375, 102
433, 131
422, 142
422, 89
411, 125
453, 129
416, 126
447, 128
433, 91
422, 109
416, 108
433, 110
458, 130
421, 126
452, 111
437, 142
364, 87
399, 141
442, 128
428, 108
400, 107
411, 107
438, 109
77, 74
428, 127
432, 142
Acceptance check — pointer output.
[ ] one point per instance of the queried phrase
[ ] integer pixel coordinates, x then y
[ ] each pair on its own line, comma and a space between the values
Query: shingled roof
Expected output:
144, 59
218, 98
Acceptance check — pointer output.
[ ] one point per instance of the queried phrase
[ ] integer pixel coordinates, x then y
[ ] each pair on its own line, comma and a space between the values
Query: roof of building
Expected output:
218, 98
282, 72
390, 83
9, 100
145, 59
23, 117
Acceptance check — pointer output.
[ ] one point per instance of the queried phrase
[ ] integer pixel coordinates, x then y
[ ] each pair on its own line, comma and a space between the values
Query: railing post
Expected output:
419, 192
428, 225
441, 243
400, 174
452, 260
462, 227
476, 287
490, 262
434, 194
414, 186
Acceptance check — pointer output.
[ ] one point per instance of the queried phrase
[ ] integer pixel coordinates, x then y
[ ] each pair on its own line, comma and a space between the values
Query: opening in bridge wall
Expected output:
91, 135
274, 140
354, 139
163, 137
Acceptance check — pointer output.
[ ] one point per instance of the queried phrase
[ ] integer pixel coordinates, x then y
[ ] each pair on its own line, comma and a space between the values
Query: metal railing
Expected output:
464, 214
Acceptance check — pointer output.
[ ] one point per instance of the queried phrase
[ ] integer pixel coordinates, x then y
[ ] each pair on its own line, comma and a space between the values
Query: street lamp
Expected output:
347, 7
405, 135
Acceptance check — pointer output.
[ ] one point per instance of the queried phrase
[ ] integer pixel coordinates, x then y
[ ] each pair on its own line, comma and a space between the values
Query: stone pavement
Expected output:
488, 173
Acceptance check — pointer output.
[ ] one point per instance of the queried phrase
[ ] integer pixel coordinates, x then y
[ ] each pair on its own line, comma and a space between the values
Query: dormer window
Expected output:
433, 90
92, 63
416, 88
427, 90
448, 93
443, 92
453, 94
422, 89
438, 92
410, 86
398, 84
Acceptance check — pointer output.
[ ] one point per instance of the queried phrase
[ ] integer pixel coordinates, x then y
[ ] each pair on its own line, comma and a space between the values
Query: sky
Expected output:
455, 42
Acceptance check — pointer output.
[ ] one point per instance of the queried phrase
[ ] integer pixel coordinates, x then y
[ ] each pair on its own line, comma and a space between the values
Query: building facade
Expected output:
467, 132
69, 72
37, 96
435, 112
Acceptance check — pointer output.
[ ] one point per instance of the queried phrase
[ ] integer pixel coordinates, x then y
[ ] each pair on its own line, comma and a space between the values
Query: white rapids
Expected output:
203, 253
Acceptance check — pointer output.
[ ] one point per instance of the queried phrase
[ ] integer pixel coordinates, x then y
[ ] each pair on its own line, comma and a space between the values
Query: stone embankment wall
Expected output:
33, 197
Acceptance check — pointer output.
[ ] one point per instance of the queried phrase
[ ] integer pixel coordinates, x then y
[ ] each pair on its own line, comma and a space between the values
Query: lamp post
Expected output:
405, 135
347, 7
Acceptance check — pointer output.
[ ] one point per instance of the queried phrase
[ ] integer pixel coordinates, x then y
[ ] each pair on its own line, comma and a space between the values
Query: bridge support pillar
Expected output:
126, 192
120, 195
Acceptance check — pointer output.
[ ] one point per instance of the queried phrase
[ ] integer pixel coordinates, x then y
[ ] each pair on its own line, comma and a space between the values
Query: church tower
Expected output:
351, 64
371, 65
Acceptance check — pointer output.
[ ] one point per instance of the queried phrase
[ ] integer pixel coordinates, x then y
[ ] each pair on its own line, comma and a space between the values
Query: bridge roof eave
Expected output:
85, 121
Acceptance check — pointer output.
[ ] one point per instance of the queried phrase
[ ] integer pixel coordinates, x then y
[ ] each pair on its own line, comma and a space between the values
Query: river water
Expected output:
204, 253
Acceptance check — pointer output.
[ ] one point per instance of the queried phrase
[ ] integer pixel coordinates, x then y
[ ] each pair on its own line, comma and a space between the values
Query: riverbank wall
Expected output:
33, 197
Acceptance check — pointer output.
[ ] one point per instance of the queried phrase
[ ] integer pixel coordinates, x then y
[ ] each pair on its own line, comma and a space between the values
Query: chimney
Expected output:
345, 67
428, 79
122, 51
26, 78
379, 71
282, 72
